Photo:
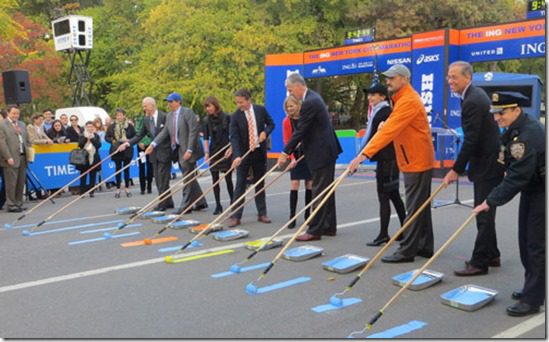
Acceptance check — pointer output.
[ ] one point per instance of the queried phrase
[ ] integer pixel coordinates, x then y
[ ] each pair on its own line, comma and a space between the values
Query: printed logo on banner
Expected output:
532, 49
456, 113
427, 91
488, 52
289, 72
393, 61
319, 70
427, 58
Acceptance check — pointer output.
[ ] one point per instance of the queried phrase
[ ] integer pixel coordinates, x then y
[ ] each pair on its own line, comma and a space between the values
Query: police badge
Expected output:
517, 150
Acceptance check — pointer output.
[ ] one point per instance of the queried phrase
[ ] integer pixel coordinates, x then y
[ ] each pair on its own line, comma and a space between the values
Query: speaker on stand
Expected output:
16, 87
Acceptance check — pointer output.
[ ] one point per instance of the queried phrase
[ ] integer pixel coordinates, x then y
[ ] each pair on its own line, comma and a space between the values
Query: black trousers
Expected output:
325, 221
257, 161
145, 174
91, 176
387, 181
531, 234
216, 189
162, 175
2, 189
419, 235
119, 165
486, 245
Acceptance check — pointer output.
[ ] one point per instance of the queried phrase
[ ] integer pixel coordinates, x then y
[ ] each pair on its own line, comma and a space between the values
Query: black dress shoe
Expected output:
516, 295
329, 233
522, 309
159, 208
142, 192
200, 206
117, 195
424, 254
291, 225
378, 241
470, 270
15, 210
495, 262
218, 210
397, 258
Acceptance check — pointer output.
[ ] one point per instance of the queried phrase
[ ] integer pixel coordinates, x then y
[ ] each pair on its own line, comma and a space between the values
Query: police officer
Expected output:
523, 154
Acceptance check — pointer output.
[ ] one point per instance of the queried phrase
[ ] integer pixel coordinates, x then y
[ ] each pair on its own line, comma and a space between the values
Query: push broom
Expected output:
28, 233
172, 189
8, 226
416, 274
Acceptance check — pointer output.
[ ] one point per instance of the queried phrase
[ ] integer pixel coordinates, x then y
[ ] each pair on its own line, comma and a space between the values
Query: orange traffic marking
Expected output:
152, 241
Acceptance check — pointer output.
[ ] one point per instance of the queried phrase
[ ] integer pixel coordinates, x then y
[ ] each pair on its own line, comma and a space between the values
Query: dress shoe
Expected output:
522, 309
378, 241
218, 210
92, 195
117, 195
142, 192
149, 191
516, 295
400, 237
263, 219
128, 194
329, 233
495, 262
470, 270
159, 208
291, 225
15, 210
200, 206
308, 237
424, 254
233, 222
397, 258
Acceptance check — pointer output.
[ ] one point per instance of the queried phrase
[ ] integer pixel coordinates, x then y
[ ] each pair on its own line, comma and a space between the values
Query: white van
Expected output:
84, 114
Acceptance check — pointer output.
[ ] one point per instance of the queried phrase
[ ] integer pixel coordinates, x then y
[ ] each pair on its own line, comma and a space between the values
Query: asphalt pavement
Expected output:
50, 288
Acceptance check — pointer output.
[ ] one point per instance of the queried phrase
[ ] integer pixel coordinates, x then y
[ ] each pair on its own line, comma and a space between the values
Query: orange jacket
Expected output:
408, 129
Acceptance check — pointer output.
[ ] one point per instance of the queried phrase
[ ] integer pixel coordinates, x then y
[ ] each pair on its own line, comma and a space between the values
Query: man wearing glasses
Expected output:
524, 157
480, 150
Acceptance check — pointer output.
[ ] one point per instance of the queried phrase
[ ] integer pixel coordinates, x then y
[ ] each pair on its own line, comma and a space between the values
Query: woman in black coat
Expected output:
90, 142
74, 131
216, 136
387, 172
120, 132
57, 133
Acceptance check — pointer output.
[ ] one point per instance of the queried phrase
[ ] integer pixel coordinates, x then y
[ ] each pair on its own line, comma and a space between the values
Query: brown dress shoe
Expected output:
470, 270
233, 222
264, 219
308, 237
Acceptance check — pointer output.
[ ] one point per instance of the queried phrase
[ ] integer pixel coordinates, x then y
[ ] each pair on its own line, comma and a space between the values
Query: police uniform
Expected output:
523, 153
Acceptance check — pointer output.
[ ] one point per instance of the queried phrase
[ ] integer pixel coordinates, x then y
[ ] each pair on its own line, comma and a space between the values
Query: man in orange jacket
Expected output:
408, 130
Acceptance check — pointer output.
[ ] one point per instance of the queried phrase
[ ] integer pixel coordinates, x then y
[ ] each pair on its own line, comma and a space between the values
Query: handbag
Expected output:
78, 157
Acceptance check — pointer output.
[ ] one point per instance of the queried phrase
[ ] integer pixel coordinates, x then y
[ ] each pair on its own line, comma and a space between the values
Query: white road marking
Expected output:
522, 328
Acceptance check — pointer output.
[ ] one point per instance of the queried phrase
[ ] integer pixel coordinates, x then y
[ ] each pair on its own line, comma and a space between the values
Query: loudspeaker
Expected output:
16, 87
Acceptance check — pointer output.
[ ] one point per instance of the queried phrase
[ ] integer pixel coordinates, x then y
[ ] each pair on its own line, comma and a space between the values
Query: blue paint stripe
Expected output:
242, 270
118, 236
281, 285
399, 330
109, 228
57, 221
329, 307
57, 230
178, 247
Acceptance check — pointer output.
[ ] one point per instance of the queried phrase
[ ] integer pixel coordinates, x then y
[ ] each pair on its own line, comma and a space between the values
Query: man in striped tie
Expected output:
251, 124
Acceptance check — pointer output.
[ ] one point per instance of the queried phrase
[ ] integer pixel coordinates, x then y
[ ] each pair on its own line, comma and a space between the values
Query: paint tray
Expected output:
164, 219
253, 245
468, 297
198, 228
183, 224
127, 210
345, 263
231, 234
153, 214
302, 253
426, 279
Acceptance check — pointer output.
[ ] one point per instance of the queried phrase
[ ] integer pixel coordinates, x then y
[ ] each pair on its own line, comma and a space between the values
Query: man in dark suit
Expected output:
250, 126
321, 148
14, 142
480, 150
181, 133
161, 157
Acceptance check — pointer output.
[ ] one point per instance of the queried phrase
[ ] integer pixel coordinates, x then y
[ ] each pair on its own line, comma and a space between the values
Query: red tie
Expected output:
251, 130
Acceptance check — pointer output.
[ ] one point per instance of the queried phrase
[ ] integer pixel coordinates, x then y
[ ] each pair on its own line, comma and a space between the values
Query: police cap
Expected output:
377, 88
507, 99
